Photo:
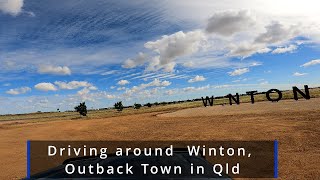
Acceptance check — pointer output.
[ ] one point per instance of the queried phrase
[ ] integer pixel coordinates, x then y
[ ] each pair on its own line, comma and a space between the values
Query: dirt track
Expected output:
294, 124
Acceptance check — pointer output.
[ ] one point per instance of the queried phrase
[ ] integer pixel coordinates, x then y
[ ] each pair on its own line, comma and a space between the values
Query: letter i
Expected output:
191, 168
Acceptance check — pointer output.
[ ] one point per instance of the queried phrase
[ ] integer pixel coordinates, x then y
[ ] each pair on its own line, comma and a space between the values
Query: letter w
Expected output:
205, 101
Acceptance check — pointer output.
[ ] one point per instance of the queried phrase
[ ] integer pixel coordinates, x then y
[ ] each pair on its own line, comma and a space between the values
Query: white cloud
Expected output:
98, 97
137, 61
281, 50
166, 76
123, 82
109, 72
93, 88
109, 96
29, 13
17, 91
12, 7
299, 74
58, 70
154, 64
149, 92
154, 83
246, 49
188, 64
274, 26
222, 86
83, 60
253, 64
84, 95
311, 63
193, 89
239, 72
173, 46
277, 32
83, 91
201, 10
240, 80
169, 67
74, 85
261, 41
170, 92
121, 88
187, 89
264, 83
165, 83
45, 87
229, 22
197, 79
131, 75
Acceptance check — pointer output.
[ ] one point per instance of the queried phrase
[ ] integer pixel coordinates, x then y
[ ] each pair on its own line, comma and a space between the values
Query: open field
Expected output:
96, 114
294, 123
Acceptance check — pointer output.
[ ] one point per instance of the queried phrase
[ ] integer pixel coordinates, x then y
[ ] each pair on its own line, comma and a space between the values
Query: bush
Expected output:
82, 109
156, 103
149, 104
118, 106
137, 106
163, 103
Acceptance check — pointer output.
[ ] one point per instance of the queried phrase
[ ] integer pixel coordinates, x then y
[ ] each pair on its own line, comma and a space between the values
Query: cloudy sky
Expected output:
57, 54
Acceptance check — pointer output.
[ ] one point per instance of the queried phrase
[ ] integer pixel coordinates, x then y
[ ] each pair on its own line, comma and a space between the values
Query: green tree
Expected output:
163, 103
137, 106
82, 109
118, 106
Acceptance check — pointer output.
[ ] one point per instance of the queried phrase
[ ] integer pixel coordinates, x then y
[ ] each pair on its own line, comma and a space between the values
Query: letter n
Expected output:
234, 99
306, 95
205, 102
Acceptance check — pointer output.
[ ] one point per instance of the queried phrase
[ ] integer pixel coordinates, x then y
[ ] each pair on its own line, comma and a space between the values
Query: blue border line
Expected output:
276, 161
28, 159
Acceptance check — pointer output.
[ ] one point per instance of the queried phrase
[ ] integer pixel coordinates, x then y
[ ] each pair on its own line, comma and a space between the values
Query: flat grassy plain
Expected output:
294, 123
96, 114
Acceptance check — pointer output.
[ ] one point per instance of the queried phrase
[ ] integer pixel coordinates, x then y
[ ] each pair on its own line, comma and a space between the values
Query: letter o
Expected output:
230, 151
271, 91
67, 166
137, 151
154, 170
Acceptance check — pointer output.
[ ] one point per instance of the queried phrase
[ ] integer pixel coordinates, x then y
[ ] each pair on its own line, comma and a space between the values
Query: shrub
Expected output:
118, 106
137, 106
82, 109
163, 103
149, 104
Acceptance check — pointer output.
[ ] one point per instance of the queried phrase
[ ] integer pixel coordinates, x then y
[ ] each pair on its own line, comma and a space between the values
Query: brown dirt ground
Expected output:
294, 124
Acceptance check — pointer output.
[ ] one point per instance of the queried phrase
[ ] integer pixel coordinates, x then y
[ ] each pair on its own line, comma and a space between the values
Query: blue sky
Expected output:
57, 54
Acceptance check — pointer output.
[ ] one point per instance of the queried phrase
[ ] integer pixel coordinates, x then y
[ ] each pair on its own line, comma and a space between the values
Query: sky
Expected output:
56, 54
